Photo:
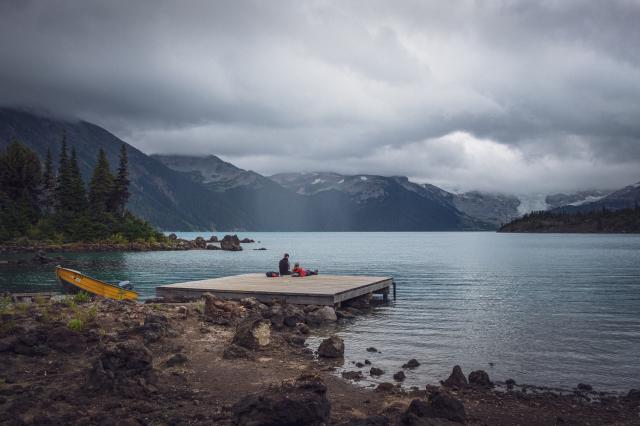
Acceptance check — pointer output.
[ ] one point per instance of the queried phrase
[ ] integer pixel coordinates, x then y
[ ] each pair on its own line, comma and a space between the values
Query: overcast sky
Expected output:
535, 96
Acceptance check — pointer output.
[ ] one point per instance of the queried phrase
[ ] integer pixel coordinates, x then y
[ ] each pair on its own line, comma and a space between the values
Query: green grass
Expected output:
81, 297
5, 305
76, 324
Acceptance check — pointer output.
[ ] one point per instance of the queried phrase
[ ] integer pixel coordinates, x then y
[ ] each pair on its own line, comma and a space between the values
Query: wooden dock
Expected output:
313, 290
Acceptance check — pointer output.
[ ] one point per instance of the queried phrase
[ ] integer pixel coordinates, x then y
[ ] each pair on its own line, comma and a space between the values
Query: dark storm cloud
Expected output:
470, 94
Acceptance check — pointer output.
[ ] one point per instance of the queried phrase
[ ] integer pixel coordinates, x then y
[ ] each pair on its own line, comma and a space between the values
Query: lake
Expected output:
550, 310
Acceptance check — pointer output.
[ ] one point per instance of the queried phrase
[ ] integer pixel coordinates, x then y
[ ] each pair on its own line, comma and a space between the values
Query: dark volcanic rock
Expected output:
301, 403
247, 241
585, 387
456, 379
367, 421
177, 359
230, 243
125, 368
333, 347
440, 406
412, 363
253, 334
213, 239
156, 326
237, 352
352, 375
510, 383
633, 395
322, 315
65, 340
200, 243
375, 371
296, 340
371, 349
385, 387
399, 376
480, 378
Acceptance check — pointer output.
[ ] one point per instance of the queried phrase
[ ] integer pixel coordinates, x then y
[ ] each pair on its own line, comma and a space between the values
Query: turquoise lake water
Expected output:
550, 310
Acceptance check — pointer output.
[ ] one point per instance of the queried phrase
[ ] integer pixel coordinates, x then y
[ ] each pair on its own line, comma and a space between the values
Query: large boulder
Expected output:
456, 379
303, 402
125, 369
237, 352
333, 347
230, 243
156, 326
253, 334
200, 243
292, 315
480, 378
440, 406
223, 312
322, 315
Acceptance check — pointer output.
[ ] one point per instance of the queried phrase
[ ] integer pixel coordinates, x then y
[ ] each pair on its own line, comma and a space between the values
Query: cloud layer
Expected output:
497, 95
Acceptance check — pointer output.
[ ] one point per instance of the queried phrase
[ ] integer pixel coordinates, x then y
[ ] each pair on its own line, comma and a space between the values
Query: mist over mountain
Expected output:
178, 192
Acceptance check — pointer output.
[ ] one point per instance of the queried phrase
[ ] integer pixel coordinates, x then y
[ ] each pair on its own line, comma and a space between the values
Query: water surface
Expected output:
543, 309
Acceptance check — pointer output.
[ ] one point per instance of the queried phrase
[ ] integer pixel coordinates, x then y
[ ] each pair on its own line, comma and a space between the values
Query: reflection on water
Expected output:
544, 309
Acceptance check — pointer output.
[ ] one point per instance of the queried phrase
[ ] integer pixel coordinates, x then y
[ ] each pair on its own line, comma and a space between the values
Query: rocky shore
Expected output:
228, 243
73, 361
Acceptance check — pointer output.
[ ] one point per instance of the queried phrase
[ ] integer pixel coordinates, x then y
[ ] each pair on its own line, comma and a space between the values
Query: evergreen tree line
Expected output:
42, 202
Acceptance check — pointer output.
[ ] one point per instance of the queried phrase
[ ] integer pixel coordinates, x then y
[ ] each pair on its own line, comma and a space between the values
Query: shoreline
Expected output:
161, 362
173, 243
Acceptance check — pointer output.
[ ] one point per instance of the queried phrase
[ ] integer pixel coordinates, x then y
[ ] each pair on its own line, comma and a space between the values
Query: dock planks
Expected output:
313, 290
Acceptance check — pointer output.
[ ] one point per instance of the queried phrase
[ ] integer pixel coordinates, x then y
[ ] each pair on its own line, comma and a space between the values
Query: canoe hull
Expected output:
73, 282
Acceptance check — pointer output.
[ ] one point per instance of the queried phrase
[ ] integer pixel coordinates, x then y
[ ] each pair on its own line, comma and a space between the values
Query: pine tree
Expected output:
77, 194
101, 185
20, 185
121, 194
63, 179
48, 184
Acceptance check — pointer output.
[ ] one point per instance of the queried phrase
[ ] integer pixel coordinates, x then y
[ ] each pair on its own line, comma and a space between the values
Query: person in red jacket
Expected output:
298, 270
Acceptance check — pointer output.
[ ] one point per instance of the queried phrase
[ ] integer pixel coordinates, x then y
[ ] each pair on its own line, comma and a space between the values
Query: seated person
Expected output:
283, 266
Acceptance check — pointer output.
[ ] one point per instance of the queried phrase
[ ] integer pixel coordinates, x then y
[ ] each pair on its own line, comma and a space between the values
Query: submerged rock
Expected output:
303, 402
333, 347
375, 371
456, 379
352, 375
412, 363
399, 376
585, 387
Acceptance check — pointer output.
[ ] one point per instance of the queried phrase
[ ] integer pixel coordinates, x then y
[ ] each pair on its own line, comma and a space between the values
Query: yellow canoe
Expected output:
74, 282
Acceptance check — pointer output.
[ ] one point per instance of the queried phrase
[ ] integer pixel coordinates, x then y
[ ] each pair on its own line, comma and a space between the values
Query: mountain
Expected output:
574, 199
389, 203
496, 209
627, 197
164, 197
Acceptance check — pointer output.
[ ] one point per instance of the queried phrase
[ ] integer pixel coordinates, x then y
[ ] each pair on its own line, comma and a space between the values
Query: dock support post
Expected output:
394, 289
385, 294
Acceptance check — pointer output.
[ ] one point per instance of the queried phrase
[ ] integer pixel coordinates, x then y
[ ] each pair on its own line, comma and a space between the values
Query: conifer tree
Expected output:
121, 193
101, 185
48, 184
63, 179
77, 194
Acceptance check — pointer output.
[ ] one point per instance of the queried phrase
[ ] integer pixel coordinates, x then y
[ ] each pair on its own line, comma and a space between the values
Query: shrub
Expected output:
75, 324
81, 297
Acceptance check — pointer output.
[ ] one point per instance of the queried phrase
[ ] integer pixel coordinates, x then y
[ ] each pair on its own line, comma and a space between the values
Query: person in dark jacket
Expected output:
284, 265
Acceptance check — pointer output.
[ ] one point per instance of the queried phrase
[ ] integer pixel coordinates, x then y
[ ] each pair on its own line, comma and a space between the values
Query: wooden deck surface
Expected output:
315, 289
